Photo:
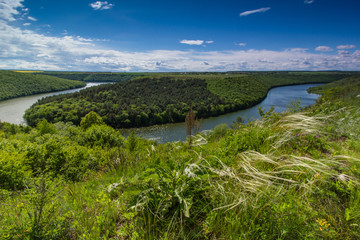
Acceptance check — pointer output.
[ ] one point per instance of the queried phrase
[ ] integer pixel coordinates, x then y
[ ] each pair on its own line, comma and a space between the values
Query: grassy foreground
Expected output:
293, 175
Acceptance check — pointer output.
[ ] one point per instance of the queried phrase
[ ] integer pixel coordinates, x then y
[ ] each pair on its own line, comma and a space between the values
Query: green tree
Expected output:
92, 118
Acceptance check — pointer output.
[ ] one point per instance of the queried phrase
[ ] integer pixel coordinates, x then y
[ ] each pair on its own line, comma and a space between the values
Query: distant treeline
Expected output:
15, 84
166, 98
94, 76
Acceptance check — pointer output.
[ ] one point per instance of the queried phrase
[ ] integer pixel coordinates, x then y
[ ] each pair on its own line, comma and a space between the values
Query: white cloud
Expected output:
27, 24
32, 18
209, 42
344, 53
240, 44
192, 42
324, 49
9, 9
346, 47
260, 10
98, 5
302, 50
309, 1
28, 49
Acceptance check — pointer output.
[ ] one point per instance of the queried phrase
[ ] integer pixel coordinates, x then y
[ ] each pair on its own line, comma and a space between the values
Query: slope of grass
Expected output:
292, 175
17, 84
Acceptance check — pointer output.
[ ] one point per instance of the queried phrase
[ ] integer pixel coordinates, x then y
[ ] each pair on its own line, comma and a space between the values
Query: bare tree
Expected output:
192, 124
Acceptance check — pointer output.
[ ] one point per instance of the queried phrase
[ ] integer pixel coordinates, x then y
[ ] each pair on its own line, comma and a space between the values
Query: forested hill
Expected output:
16, 84
166, 98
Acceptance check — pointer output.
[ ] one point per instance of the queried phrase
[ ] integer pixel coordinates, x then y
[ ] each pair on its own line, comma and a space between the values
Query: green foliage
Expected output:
166, 98
13, 170
219, 131
45, 127
15, 84
293, 175
171, 200
102, 136
132, 141
90, 119
131, 104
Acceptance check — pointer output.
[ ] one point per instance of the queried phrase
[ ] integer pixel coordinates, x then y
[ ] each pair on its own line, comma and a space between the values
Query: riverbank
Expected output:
13, 110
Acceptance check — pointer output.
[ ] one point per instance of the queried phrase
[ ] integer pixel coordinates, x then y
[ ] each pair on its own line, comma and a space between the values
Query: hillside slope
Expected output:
291, 175
15, 84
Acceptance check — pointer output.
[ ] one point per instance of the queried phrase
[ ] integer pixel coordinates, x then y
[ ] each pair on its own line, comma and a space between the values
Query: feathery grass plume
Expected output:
291, 125
255, 174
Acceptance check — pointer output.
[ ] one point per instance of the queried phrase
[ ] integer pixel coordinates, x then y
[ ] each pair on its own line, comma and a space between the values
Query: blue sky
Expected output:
159, 35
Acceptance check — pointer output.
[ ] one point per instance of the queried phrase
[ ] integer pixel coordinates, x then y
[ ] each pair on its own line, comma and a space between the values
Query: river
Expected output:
279, 97
12, 111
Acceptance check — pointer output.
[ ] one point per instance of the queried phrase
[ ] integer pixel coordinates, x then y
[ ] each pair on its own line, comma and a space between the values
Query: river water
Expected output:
12, 111
279, 97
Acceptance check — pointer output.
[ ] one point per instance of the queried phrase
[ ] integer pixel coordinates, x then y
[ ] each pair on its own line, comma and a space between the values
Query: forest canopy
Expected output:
18, 84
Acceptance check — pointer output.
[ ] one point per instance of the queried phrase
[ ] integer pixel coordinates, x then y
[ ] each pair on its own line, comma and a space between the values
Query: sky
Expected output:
187, 35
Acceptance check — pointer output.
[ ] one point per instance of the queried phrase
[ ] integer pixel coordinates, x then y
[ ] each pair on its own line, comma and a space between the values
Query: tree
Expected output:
92, 118
192, 124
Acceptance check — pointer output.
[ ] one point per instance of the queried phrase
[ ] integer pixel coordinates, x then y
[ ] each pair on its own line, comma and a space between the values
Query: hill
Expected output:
17, 84
167, 97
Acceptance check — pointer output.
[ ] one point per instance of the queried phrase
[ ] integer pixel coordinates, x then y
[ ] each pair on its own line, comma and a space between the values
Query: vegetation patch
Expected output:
16, 84
290, 175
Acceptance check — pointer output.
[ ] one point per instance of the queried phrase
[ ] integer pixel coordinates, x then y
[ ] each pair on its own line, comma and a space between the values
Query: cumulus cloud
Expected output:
309, 1
260, 10
28, 49
324, 49
346, 47
192, 42
9, 9
98, 5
